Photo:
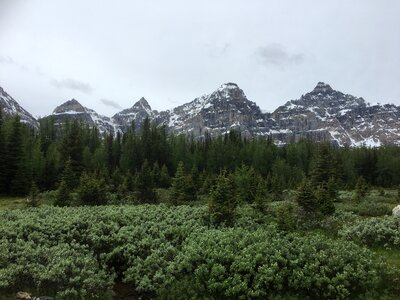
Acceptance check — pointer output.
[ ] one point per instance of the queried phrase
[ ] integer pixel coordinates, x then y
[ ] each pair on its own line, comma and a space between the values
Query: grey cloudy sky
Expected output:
108, 54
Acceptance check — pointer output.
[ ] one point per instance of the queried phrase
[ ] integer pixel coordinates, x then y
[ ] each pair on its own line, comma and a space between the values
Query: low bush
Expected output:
384, 231
238, 264
169, 252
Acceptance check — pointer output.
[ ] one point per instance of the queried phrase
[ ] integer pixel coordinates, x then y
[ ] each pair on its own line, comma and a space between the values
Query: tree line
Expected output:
76, 157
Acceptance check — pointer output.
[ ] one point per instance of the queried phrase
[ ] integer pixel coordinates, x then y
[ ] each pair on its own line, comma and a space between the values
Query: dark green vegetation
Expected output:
133, 165
164, 216
173, 252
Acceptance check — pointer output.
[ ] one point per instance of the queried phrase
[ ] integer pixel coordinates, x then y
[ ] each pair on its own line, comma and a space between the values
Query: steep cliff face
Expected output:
326, 114
323, 114
73, 110
225, 109
11, 107
137, 113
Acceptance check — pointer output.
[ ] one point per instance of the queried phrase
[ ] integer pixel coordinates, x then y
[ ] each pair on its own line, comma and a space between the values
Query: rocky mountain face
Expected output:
137, 113
217, 113
11, 107
73, 110
323, 114
326, 114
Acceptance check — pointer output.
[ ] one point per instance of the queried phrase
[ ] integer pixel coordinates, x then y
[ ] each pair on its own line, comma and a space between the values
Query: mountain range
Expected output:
323, 114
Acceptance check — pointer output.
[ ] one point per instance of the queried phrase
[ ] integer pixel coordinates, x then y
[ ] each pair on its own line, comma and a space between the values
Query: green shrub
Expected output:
238, 264
383, 231
372, 209
286, 214
92, 190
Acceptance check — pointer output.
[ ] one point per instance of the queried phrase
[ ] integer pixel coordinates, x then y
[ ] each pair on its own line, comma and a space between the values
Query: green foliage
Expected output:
238, 264
306, 197
262, 198
325, 199
361, 189
246, 182
372, 209
286, 214
92, 190
63, 195
33, 198
165, 179
183, 189
145, 185
382, 231
222, 203
167, 252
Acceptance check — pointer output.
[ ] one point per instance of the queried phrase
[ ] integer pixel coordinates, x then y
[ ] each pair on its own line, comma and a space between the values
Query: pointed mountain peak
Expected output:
142, 103
70, 106
228, 86
322, 87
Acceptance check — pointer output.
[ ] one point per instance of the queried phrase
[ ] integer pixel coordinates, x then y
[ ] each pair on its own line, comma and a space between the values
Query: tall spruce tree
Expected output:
145, 185
63, 195
13, 155
306, 198
2, 155
182, 189
222, 202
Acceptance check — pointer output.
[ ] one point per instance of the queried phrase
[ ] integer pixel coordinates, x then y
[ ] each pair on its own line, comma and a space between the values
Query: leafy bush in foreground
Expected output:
237, 264
383, 231
78, 253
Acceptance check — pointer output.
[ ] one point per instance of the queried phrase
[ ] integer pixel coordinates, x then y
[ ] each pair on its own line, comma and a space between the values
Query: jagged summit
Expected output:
229, 91
70, 106
324, 114
138, 113
228, 85
11, 107
142, 103
322, 87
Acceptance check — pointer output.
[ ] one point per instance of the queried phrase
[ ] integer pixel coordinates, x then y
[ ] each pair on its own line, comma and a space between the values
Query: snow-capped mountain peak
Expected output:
73, 110
137, 113
11, 107
69, 107
322, 87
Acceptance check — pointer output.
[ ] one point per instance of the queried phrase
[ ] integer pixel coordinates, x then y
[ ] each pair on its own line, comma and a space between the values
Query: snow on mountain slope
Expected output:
326, 114
224, 109
137, 113
73, 110
11, 107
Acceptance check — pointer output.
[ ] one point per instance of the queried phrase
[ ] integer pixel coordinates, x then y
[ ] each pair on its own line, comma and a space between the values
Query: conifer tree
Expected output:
92, 190
246, 183
2, 155
324, 168
145, 185
222, 203
63, 195
33, 198
165, 179
306, 198
361, 189
14, 153
325, 200
182, 189
261, 196
69, 176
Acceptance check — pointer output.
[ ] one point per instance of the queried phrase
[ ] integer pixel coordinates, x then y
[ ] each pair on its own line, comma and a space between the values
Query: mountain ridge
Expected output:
322, 114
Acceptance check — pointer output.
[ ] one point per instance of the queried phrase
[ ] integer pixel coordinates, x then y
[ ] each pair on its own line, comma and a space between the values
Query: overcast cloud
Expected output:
276, 55
110, 103
173, 51
72, 84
